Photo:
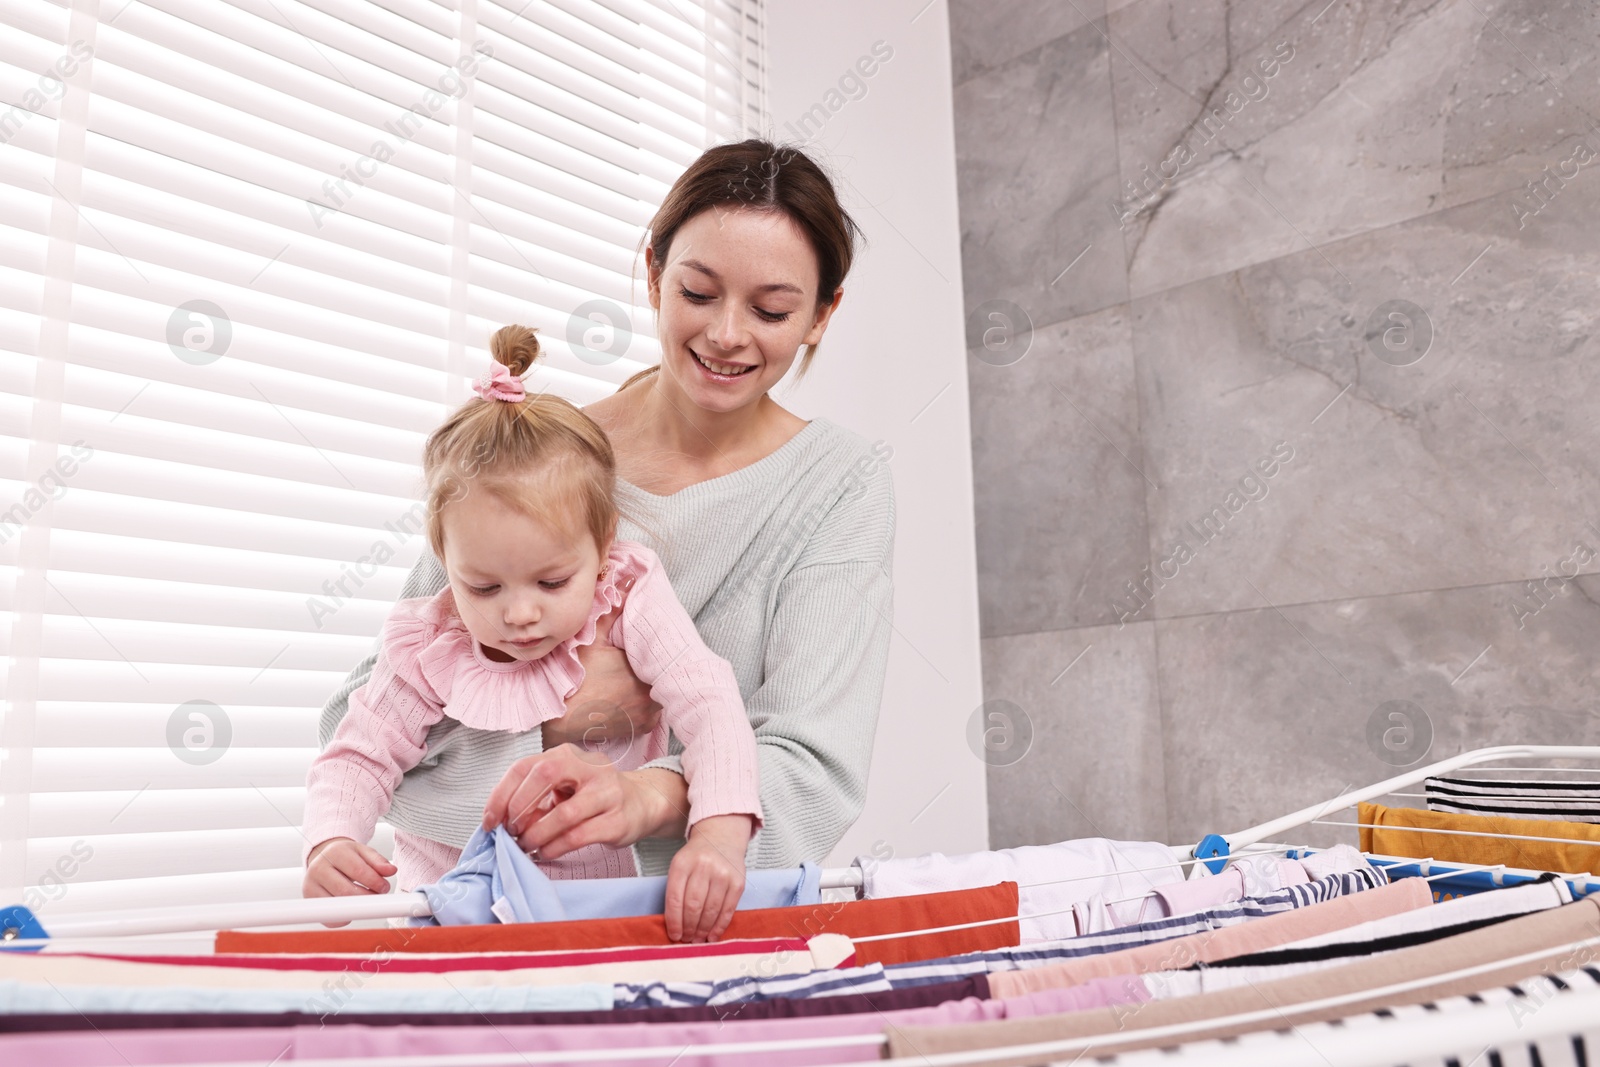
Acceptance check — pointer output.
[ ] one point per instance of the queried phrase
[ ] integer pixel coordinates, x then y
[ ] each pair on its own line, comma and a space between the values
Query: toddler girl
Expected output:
521, 515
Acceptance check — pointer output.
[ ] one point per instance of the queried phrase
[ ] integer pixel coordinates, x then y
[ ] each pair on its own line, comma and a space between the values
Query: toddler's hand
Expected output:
706, 878
341, 867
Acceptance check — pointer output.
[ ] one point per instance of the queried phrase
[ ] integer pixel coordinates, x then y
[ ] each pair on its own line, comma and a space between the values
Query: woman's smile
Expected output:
718, 370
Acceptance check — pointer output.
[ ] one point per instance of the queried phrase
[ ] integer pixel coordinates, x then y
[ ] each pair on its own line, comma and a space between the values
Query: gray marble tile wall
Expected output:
1283, 376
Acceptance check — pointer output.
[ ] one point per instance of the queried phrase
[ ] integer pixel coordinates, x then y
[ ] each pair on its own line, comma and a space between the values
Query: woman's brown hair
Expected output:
540, 455
759, 174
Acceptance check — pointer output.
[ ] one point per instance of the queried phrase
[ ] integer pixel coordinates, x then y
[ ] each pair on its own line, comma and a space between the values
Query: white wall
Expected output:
893, 368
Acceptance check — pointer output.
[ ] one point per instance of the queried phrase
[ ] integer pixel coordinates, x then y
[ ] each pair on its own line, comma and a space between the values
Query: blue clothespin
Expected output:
1212, 845
18, 923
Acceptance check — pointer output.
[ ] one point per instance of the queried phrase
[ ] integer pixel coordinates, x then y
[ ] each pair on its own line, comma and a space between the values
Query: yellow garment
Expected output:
1392, 839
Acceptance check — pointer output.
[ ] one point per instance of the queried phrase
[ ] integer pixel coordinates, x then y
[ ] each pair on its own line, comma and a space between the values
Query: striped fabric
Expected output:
1515, 1004
868, 979
1524, 798
905, 975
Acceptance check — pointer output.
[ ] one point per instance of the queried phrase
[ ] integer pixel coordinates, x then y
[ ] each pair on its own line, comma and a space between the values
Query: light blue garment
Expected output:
340, 993
497, 882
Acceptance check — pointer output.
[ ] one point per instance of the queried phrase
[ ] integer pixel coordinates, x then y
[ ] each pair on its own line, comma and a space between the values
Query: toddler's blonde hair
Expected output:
541, 455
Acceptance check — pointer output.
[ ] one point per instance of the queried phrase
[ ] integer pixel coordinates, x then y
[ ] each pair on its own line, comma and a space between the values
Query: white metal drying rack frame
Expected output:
1214, 851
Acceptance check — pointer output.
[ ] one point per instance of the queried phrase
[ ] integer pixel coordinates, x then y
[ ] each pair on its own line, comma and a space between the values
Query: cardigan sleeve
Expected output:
351, 783
815, 713
698, 694
426, 579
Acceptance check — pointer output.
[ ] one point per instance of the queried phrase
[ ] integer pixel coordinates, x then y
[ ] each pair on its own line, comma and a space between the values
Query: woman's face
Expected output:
737, 298
515, 579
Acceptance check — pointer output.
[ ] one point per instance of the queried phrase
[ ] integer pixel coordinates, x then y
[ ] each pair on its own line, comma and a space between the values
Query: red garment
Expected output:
472, 961
854, 919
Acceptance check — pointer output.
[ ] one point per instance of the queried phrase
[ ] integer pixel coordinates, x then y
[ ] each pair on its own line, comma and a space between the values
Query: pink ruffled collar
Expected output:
488, 695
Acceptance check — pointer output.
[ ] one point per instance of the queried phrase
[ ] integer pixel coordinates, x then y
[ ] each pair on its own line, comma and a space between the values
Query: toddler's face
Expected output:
515, 578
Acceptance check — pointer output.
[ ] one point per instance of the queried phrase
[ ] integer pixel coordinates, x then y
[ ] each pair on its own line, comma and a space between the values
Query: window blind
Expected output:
251, 253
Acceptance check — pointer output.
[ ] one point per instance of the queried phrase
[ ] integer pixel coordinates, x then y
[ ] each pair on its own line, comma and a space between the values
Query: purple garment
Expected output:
287, 1044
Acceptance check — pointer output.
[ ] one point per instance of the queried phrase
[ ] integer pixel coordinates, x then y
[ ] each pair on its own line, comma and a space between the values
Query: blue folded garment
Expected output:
497, 882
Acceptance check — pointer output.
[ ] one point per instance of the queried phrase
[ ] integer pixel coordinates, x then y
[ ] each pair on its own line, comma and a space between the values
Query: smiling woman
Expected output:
776, 534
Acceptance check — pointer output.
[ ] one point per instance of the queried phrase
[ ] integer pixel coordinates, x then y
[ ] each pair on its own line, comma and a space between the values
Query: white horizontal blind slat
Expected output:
213, 510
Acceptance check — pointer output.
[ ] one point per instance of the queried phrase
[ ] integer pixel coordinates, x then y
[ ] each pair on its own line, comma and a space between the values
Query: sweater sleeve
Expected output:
698, 694
815, 713
426, 579
351, 782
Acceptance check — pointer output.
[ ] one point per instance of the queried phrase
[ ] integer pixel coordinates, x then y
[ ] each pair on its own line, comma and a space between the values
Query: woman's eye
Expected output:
555, 585
700, 298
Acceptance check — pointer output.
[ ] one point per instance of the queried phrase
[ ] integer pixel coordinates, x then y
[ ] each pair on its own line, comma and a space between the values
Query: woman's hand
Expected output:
343, 867
611, 707
706, 878
565, 799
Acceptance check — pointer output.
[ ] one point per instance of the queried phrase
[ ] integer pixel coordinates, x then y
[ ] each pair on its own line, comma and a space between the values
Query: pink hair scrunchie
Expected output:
500, 384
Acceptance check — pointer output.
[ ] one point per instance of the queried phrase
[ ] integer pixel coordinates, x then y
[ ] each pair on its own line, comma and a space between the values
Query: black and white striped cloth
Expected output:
1513, 1008
1521, 798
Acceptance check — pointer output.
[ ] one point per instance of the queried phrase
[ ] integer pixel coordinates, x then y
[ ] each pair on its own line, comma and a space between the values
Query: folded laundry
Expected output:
496, 881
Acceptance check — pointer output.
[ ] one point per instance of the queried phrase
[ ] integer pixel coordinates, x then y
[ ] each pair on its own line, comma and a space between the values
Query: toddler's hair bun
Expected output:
515, 346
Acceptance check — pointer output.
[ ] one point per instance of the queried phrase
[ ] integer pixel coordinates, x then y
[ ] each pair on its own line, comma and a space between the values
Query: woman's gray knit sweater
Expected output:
785, 566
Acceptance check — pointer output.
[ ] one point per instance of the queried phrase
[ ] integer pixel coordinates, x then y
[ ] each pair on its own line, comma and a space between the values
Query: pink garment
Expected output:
1198, 894
1095, 993
1293, 872
122, 1048
429, 667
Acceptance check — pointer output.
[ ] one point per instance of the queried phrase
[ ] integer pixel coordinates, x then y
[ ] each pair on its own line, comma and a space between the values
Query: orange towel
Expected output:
858, 918
1392, 838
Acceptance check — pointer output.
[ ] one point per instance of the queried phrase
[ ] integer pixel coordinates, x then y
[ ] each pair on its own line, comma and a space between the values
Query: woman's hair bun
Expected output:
515, 346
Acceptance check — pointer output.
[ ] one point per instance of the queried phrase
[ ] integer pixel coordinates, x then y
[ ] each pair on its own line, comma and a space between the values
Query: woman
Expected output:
777, 535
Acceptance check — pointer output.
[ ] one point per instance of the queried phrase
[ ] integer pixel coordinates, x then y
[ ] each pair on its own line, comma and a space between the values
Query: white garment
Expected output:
1050, 878
1335, 860
1250, 876
1164, 985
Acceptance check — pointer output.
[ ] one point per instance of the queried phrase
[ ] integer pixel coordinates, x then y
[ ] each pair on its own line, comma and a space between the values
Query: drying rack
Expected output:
1341, 1049
1214, 851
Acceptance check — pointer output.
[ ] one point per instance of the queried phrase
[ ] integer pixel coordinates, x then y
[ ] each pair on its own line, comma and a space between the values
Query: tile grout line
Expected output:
1594, 573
